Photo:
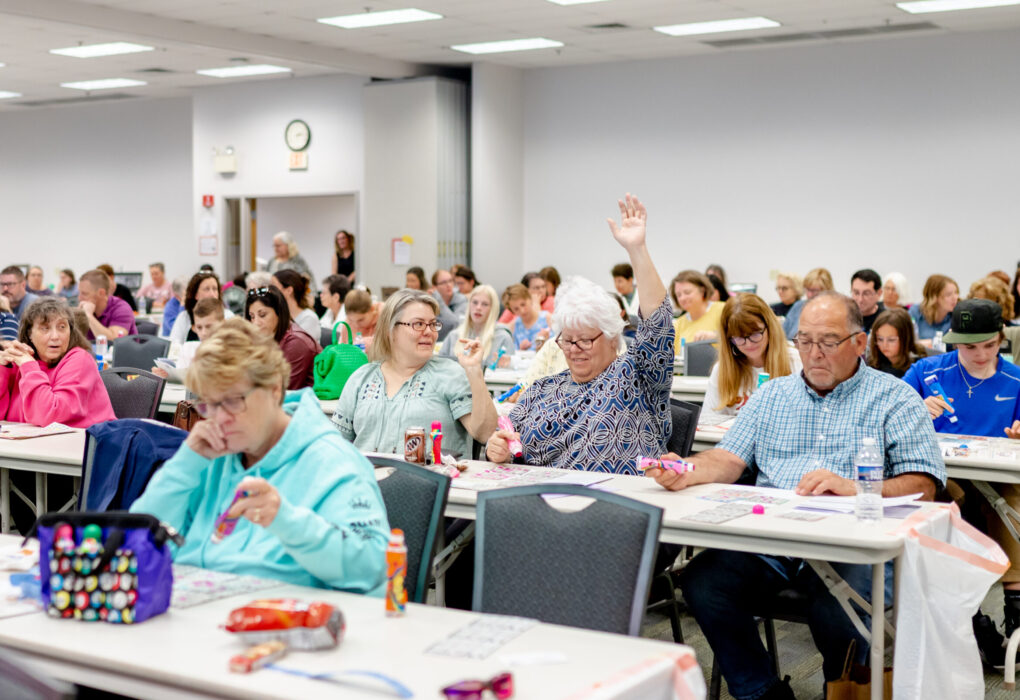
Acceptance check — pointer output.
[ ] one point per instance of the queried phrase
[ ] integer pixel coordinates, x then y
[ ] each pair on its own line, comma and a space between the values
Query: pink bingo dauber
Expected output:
646, 463
226, 524
515, 446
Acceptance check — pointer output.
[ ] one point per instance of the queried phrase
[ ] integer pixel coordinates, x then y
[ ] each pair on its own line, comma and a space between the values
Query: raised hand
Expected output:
470, 354
630, 232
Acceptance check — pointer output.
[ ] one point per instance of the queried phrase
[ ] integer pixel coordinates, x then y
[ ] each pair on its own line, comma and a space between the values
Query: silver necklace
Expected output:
970, 387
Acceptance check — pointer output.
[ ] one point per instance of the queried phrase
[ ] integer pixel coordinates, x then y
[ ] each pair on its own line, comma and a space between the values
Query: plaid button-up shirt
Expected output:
787, 430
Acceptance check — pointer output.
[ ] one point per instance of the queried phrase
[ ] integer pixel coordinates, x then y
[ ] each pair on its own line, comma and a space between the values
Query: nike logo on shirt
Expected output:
1003, 398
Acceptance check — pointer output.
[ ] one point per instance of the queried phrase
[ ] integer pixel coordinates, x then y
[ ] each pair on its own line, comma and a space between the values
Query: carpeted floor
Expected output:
798, 657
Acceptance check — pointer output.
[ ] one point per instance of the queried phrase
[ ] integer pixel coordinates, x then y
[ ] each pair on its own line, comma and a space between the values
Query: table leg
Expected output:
877, 630
440, 580
40, 493
5, 501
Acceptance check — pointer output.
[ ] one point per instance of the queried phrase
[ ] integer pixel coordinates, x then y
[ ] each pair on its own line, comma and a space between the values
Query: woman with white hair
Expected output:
480, 324
287, 256
896, 292
605, 410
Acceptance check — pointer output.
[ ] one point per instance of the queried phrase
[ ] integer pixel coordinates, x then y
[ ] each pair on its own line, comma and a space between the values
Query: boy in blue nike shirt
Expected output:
984, 397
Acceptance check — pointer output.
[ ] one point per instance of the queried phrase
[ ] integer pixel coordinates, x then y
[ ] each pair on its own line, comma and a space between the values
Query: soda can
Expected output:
414, 445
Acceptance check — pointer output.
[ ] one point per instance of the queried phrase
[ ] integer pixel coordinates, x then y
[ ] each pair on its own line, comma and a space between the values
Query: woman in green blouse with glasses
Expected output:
407, 385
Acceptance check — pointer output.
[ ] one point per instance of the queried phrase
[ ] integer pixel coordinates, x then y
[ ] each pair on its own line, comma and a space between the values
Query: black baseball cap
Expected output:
974, 321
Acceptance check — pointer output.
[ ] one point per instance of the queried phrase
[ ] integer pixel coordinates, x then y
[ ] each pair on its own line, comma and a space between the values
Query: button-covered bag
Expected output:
335, 365
113, 566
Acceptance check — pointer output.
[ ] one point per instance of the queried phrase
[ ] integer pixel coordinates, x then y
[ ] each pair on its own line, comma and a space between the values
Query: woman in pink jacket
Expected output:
48, 374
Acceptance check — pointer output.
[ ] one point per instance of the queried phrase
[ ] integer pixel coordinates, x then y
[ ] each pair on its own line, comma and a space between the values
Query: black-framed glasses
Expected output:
826, 346
740, 340
419, 326
583, 344
231, 404
258, 292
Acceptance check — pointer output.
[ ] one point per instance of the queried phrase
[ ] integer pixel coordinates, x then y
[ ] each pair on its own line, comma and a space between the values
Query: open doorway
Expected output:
311, 220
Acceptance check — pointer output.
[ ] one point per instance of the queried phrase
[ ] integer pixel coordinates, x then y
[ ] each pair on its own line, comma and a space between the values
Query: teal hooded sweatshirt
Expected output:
330, 531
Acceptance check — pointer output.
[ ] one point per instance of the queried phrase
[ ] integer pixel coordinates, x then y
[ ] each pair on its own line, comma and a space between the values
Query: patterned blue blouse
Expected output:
604, 424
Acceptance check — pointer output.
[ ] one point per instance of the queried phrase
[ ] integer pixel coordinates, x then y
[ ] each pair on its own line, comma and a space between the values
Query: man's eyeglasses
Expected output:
231, 404
826, 346
583, 344
740, 340
419, 326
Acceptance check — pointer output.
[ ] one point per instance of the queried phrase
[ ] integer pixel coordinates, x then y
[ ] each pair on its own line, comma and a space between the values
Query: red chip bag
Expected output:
297, 624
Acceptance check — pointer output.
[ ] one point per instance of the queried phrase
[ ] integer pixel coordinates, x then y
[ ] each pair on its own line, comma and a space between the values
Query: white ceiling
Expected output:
193, 34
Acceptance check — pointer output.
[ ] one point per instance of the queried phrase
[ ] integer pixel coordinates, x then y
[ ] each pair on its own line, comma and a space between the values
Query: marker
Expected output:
678, 466
932, 382
513, 390
226, 524
515, 447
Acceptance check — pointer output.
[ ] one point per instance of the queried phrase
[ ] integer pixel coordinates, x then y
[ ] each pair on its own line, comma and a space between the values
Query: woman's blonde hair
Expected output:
382, 344
794, 280
993, 289
819, 277
743, 315
488, 325
236, 352
292, 249
933, 287
516, 292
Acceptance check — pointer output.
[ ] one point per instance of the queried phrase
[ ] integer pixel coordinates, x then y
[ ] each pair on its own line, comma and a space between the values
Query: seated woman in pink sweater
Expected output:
48, 374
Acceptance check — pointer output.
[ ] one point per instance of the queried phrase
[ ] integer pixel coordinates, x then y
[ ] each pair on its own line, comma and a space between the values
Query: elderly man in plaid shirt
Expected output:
802, 432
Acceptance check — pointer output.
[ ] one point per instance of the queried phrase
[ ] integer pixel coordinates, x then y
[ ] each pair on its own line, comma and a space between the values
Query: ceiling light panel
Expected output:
510, 45
924, 6
574, 2
104, 84
6, 95
378, 19
96, 50
723, 25
243, 71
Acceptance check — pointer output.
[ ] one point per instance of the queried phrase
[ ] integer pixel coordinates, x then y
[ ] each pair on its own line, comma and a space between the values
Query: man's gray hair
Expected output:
580, 303
179, 286
854, 320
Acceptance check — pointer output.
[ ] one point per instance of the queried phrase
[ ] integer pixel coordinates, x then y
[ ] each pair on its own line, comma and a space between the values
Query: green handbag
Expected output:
335, 365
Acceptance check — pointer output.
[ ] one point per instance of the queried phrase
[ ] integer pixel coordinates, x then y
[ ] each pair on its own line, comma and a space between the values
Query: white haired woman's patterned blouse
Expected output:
606, 423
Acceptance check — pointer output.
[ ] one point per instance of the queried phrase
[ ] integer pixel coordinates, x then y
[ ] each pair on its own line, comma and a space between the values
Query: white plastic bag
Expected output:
947, 569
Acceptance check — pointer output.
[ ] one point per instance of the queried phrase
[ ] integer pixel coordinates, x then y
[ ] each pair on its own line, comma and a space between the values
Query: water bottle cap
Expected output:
396, 536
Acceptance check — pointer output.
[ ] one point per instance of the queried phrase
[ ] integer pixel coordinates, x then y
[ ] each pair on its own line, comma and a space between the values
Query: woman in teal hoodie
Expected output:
313, 514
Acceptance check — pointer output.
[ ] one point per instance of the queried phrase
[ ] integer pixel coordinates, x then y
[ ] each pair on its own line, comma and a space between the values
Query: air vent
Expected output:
101, 97
155, 70
880, 30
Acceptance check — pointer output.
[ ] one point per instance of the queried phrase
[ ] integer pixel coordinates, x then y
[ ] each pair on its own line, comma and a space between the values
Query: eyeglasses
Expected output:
502, 686
740, 340
232, 404
9, 284
783, 287
419, 326
826, 346
444, 282
583, 344
258, 292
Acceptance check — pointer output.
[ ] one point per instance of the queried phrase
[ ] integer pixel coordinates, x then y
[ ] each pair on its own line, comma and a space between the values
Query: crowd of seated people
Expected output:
595, 368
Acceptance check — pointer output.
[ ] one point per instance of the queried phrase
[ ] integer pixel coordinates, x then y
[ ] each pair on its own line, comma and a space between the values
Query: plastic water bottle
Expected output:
937, 344
870, 466
102, 352
359, 342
